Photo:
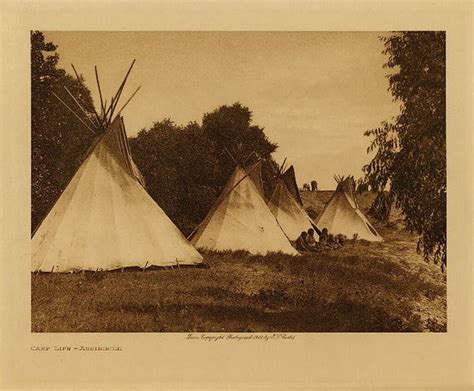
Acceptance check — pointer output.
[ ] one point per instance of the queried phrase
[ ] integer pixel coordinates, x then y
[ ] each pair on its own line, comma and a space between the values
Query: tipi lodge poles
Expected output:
72, 111
97, 118
98, 122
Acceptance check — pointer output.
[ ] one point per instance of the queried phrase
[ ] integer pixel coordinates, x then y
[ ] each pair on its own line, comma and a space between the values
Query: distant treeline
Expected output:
185, 167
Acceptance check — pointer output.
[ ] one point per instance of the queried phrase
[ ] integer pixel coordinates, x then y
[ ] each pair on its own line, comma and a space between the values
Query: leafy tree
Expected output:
361, 186
58, 139
186, 167
177, 164
230, 129
410, 159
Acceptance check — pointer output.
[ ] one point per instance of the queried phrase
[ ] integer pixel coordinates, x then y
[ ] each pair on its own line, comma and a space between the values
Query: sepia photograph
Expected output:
238, 181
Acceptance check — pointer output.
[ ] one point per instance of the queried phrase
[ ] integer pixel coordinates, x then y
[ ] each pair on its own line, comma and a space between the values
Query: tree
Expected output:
410, 159
186, 167
361, 186
231, 128
58, 140
178, 167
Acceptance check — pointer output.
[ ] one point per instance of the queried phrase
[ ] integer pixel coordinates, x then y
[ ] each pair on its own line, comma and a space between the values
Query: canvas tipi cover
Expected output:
255, 173
106, 220
241, 220
342, 215
292, 217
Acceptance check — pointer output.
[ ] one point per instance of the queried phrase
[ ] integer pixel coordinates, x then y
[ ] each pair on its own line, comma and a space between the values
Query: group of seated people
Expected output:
307, 242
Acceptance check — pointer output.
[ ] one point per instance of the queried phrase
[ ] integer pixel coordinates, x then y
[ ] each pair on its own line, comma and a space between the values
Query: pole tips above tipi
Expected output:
98, 121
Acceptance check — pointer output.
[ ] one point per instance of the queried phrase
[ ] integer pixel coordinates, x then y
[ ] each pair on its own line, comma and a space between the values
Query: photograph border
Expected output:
310, 360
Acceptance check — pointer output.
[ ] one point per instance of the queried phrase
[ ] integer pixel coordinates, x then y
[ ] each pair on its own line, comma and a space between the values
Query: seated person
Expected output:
310, 240
334, 241
300, 243
340, 238
303, 245
323, 236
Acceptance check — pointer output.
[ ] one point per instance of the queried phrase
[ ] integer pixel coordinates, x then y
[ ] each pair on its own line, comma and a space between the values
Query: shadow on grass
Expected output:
267, 311
340, 316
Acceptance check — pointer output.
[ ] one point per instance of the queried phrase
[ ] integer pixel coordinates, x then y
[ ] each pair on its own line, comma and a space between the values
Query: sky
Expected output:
314, 93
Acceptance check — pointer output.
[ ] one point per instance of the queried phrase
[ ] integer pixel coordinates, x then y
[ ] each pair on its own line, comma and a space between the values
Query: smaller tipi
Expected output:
241, 220
289, 213
342, 215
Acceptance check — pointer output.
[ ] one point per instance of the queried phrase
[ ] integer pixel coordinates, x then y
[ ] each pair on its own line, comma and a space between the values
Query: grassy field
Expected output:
360, 287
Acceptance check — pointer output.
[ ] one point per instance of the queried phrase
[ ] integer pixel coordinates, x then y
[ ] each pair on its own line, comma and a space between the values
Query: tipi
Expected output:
241, 220
342, 215
105, 219
290, 214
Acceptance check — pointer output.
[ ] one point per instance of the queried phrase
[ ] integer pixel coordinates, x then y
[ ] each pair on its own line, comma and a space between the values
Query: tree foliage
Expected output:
410, 151
186, 167
58, 139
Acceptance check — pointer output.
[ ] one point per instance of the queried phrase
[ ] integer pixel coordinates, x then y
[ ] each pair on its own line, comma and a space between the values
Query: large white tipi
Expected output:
241, 220
342, 215
105, 219
290, 214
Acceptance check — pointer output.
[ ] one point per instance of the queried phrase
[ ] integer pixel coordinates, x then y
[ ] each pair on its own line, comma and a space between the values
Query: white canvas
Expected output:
242, 221
106, 220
